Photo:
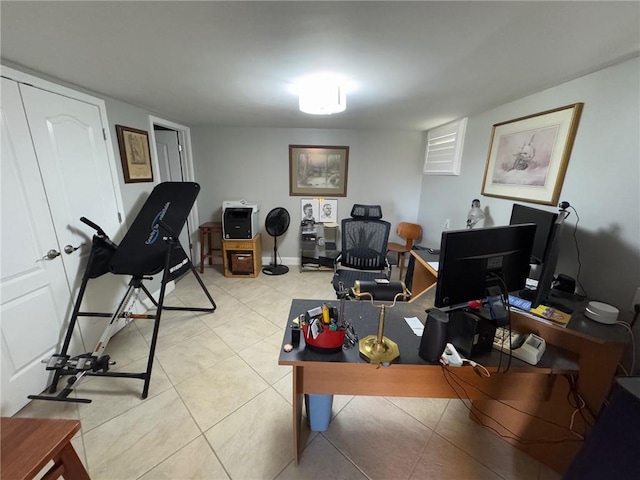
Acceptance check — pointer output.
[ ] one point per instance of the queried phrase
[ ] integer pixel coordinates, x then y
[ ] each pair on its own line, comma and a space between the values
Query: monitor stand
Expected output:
527, 294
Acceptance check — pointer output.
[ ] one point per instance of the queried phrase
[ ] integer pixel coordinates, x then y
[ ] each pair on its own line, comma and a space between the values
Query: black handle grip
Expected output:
93, 225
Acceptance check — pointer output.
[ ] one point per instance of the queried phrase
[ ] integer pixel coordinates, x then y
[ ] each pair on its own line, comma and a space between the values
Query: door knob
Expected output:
69, 249
51, 254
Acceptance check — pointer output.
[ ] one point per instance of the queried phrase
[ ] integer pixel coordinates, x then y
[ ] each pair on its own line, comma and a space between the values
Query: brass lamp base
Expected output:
385, 351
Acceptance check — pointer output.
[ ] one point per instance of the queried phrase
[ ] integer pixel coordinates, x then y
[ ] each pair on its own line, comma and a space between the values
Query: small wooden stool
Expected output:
28, 444
207, 230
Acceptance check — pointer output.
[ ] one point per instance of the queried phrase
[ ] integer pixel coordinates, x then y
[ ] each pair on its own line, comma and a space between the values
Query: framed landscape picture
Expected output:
318, 170
528, 156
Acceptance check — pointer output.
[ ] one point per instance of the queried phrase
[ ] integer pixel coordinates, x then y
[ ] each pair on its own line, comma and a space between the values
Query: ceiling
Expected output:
414, 65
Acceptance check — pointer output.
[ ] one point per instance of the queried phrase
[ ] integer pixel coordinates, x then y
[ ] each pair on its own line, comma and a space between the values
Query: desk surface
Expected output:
364, 318
578, 324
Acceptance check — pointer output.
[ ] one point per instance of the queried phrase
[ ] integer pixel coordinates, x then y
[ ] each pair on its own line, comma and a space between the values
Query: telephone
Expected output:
526, 347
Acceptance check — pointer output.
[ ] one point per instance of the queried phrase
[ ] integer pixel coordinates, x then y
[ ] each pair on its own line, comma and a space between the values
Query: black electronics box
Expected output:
237, 223
471, 334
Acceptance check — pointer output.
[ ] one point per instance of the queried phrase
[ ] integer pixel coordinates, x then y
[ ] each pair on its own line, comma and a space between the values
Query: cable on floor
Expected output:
514, 436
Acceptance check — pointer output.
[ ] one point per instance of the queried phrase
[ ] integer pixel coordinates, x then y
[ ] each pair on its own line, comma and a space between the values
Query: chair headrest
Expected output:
370, 212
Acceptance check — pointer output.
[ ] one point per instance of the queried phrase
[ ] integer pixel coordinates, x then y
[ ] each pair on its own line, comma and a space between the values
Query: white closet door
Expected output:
168, 151
72, 155
34, 291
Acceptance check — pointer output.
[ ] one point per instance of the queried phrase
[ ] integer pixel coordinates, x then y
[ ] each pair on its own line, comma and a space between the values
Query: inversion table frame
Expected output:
150, 246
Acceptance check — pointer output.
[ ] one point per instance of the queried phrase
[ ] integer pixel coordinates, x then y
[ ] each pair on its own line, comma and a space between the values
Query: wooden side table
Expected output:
207, 231
28, 444
242, 258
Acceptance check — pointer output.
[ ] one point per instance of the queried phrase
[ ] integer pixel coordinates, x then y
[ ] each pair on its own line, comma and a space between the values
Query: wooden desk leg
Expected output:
297, 401
73, 468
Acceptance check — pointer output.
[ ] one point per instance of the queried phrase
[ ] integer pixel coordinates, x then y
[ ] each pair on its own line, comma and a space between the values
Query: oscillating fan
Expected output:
276, 224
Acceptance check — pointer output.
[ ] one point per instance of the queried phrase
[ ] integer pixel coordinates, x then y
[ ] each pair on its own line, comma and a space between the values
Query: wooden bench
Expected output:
29, 444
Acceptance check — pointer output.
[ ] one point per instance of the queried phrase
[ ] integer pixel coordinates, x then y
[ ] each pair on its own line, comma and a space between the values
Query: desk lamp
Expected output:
378, 348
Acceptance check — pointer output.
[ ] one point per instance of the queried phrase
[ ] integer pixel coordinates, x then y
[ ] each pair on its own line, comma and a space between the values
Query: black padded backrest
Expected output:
368, 212
143, 251
364, 243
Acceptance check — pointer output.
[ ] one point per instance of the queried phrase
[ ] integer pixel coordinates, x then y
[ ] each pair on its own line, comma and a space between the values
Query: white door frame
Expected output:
184, 135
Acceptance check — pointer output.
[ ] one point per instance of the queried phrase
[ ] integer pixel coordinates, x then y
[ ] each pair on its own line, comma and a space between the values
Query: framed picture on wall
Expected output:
310, 209
528, 156
328, 210
318, 170
134, 154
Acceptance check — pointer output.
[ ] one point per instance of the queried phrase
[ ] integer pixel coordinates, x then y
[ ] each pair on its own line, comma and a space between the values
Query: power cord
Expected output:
627, 326
575, 240
513, 436
580, 405
504, 297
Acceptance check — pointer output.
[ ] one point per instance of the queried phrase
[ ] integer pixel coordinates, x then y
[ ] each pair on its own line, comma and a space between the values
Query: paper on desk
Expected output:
434, 265
415, 324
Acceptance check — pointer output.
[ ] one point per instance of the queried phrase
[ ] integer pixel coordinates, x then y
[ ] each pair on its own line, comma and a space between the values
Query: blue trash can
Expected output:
318, 411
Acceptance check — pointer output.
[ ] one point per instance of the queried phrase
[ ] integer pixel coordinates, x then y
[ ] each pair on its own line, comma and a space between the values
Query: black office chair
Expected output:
364, 248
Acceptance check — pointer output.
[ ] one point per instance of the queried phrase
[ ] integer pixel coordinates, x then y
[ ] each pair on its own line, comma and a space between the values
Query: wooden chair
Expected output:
410, 232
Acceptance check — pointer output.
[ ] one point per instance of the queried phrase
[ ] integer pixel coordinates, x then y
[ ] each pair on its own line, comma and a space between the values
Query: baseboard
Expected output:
266, 260
281, 260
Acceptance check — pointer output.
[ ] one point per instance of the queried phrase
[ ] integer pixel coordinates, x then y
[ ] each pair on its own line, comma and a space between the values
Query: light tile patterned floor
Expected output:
220, 406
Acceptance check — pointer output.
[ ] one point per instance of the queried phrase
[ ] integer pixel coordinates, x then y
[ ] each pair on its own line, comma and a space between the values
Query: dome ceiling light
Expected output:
323, 94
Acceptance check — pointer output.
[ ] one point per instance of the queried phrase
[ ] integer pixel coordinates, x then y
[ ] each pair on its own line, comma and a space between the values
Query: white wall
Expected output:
602, 181
385, 167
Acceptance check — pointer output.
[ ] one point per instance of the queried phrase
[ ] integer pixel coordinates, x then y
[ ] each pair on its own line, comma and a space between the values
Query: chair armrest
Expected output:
336, 262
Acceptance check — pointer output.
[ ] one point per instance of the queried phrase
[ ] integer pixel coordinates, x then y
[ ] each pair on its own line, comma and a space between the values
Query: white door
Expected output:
34, 290
70, 167
170, 163
71, 148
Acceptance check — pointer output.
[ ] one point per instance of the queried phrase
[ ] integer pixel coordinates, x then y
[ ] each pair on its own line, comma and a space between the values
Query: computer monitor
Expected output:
472, 261
544, 221
549, 262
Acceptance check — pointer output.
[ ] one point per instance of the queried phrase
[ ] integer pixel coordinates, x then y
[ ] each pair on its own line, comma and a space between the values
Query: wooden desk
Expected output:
345, 373
424, 276
28, 444
599, 349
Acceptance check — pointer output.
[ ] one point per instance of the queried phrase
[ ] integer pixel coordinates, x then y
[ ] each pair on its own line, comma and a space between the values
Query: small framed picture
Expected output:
328, 210
310, 209
134, 154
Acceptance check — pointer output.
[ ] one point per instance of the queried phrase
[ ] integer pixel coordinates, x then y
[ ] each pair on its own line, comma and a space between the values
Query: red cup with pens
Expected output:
322, 330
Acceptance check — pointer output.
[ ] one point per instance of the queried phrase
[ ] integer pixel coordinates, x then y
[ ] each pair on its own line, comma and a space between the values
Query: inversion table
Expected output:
149, 247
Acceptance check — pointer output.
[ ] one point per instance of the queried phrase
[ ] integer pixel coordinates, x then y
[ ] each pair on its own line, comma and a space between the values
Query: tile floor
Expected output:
219, 405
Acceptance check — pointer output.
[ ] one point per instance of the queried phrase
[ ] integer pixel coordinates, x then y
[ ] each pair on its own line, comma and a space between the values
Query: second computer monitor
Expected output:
472, 261
545, 223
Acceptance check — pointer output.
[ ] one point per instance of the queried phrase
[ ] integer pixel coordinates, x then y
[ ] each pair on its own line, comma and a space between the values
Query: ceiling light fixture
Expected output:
322, 95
